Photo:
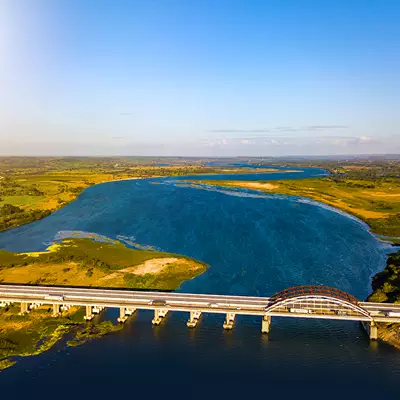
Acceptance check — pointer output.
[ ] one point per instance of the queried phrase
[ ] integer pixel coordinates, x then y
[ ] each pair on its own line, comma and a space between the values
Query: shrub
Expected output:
9, 209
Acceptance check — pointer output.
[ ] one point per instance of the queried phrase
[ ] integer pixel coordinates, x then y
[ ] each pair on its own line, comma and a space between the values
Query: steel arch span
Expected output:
316, 300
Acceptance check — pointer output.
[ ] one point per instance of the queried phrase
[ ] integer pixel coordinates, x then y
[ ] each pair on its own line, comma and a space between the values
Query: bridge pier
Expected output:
159, 314
266, 324
371, 328
97, 309
24, 308
373, 331
122, 317
89, 314
130, 311
34, 305
193, 319
56, 310
230, 319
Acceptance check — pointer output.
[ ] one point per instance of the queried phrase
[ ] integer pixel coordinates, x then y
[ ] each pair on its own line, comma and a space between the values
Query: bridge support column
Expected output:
89, 314
97, 309
194, 317
122, 317
230, 319
129, 311
266, 324
373, 331
34, 306
24, 308
56, 310
159, 314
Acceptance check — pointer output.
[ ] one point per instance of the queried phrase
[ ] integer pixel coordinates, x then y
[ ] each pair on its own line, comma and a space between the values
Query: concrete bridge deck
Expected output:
309, 302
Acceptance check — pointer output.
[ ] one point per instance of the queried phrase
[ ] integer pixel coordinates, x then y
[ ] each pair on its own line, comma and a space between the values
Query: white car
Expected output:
54, 297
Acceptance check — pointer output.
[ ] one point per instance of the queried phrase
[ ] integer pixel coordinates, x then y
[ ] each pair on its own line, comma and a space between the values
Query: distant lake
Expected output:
256, 244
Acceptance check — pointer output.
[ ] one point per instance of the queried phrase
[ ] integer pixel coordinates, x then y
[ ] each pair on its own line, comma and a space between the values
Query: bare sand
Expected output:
256, 185
153, 266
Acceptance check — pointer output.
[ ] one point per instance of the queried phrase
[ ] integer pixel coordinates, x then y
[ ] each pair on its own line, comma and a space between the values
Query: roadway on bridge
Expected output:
174, 301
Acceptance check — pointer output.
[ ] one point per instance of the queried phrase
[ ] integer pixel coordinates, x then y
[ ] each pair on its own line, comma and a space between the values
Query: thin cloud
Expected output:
281, 129
239, 130
261, 137
324, 127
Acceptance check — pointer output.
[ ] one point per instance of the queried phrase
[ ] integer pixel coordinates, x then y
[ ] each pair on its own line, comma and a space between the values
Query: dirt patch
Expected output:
258, 185
154, 266
380, 194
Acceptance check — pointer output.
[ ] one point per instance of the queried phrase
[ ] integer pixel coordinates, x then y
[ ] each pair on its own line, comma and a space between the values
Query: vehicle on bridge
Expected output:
392, 314
158, 302
55, 297
300, 310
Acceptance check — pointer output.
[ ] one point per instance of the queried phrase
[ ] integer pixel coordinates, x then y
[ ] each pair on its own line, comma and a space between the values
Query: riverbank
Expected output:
79, 262
29, 193
386, 288
376, 202
373, 201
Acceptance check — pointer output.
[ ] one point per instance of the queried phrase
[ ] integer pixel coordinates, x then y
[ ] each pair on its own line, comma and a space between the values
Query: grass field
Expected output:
85, 262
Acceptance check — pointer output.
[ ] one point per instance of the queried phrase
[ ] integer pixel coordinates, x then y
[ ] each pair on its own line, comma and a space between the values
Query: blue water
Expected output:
255, 244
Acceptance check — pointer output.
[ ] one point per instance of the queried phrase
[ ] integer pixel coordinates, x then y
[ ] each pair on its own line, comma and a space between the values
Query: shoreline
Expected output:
269, 190
304, 200
42, 213
386, 332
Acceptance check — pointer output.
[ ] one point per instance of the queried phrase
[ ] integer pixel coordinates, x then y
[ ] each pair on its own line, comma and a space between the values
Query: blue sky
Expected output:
199, 77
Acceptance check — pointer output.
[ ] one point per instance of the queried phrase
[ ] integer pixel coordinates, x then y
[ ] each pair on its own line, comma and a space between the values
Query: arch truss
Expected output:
320, 300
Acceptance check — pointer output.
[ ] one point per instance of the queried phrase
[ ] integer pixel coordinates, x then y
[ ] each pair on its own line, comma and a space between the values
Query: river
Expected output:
256, 245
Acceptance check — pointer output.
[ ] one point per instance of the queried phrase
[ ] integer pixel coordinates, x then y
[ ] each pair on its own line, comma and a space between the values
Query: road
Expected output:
173, 301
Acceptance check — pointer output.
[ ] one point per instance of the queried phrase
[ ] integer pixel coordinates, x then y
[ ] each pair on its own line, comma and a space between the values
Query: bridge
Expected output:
321, 302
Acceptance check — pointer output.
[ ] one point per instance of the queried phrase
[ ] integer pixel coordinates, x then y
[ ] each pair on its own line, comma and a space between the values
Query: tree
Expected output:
9, 209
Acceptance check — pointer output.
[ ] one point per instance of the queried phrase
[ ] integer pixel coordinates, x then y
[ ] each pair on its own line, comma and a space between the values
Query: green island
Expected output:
79, 262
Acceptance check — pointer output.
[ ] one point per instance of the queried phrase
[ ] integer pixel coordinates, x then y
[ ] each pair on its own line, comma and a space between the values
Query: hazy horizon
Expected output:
199, 78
